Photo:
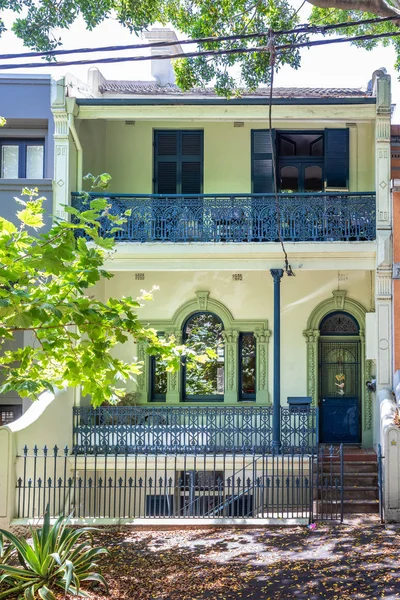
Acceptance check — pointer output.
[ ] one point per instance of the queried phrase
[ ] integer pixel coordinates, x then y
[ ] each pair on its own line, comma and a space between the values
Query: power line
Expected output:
256, 49
308, 28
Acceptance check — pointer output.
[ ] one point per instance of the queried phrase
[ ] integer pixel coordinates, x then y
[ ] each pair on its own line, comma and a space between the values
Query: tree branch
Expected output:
381, 8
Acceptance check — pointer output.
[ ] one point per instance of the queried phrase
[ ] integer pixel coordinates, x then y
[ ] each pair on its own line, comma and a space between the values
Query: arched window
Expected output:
339, 323
204, 381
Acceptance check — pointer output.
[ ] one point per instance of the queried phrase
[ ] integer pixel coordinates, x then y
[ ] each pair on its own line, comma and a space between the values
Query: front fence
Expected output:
239, 217
198, 485
191, 429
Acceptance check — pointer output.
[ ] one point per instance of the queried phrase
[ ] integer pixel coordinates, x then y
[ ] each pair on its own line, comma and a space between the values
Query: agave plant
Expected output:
59, 557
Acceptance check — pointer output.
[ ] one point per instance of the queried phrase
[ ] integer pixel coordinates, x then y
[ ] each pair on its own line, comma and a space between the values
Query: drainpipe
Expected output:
276, 418
79, 156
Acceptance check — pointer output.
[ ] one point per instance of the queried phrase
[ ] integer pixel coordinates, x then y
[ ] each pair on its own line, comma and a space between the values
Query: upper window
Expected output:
309, 161
204, 381
21, 159
178, 162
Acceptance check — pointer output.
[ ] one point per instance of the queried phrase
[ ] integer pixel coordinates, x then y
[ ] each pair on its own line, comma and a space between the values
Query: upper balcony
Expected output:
238, 218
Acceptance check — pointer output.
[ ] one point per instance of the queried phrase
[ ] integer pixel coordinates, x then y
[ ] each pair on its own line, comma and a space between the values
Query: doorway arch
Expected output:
339, 303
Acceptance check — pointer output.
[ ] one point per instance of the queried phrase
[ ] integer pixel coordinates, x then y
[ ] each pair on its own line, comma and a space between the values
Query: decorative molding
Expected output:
383, 284
277, 275
340, 296
202, 299
368, 396
61, 129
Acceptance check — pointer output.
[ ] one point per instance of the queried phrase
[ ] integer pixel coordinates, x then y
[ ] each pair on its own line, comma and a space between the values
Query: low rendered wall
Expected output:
390, 442
48, 422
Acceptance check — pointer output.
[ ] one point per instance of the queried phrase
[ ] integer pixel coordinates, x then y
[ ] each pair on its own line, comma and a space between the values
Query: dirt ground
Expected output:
359, 559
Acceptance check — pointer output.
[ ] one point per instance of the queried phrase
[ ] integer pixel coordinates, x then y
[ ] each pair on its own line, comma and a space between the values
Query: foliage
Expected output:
45, 282
202, 18
60, 557
203, 332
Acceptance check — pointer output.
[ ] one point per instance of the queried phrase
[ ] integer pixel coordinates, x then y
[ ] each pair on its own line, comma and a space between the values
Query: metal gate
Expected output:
328, 484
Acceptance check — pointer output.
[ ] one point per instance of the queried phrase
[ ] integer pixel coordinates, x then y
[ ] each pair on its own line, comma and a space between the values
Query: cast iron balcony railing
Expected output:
240, 217
189, 429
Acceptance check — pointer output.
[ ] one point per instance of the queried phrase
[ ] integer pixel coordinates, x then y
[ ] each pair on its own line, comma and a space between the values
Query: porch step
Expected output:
351, 466
349, 507
360, 481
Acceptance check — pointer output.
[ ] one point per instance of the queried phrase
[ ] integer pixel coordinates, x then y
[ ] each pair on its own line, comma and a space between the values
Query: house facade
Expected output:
205, 226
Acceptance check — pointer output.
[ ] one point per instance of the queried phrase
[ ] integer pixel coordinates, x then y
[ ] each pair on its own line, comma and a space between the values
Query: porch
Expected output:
299, 217
193, 429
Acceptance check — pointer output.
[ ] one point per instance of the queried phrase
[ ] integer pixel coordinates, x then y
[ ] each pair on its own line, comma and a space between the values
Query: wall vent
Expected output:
130, 123
139, 276
238, 123
237, 277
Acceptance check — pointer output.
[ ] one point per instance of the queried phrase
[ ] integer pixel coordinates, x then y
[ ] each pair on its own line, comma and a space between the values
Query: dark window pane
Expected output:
247, 365
289, 179
202, 331
317, 147
158, 378
313, 179
287, 147
301, 144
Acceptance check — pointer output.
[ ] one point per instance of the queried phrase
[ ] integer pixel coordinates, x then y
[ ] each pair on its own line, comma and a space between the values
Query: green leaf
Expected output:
46, 594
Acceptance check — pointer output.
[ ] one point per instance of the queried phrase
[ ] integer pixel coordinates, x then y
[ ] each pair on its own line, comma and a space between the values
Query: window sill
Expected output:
18, 184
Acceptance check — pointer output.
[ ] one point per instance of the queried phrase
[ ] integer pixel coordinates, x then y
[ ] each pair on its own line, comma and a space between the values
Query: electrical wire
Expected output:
256, 49
307, 28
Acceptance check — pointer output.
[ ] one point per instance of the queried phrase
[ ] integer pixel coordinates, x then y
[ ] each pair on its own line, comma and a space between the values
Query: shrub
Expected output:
59, 557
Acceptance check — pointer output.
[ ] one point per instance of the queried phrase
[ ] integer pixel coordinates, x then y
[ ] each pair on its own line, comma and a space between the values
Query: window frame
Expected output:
241, 396
22, 144
199, 398
178, 158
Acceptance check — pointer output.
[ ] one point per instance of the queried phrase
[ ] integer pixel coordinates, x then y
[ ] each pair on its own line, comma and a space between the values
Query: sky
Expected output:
339, 65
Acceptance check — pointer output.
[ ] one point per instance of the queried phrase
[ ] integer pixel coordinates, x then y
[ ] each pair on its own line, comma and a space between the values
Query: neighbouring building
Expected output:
26, 160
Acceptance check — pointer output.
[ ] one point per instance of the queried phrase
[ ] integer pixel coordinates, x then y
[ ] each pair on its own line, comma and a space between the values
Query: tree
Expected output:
202, 18
45, 282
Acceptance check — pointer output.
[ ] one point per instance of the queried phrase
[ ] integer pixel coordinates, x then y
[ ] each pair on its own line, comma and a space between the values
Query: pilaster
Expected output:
312, 337
143, 378
231, 337
383, 288
174, 379
262, 340
61, 192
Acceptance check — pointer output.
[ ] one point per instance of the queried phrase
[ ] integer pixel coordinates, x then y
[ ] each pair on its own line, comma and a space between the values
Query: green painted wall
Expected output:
126, 152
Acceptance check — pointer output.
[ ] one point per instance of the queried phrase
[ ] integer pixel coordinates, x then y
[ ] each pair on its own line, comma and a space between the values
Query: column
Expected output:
231, 366
383, 285
276, 420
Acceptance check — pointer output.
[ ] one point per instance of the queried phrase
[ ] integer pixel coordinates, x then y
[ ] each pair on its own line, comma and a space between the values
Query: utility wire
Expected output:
308, 28
256, 49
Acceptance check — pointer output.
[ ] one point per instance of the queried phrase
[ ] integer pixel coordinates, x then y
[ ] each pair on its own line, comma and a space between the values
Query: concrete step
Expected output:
349, 507
349, 493
348, 467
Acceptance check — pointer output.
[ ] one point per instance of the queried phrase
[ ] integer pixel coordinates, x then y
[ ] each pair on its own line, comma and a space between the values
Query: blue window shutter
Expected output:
336, 158
178, 162
261, 161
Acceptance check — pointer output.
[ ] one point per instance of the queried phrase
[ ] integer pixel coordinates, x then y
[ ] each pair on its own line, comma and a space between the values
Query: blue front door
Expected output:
339, 389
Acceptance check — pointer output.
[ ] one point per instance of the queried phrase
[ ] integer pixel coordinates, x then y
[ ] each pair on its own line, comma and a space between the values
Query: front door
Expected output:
339, 380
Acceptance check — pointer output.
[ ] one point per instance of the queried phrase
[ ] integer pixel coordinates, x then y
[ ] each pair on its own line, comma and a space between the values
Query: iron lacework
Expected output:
190, 429
239, 217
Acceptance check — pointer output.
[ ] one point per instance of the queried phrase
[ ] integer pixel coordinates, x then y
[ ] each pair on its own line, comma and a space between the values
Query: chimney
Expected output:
162, 70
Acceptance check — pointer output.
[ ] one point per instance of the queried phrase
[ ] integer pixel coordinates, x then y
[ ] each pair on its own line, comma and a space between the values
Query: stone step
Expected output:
349, 493
348, 467
349, 507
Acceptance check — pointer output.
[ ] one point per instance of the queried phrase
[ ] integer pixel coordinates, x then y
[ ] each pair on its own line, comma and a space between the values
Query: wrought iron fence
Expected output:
192, 486
191, 429
240, 217
328, 483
